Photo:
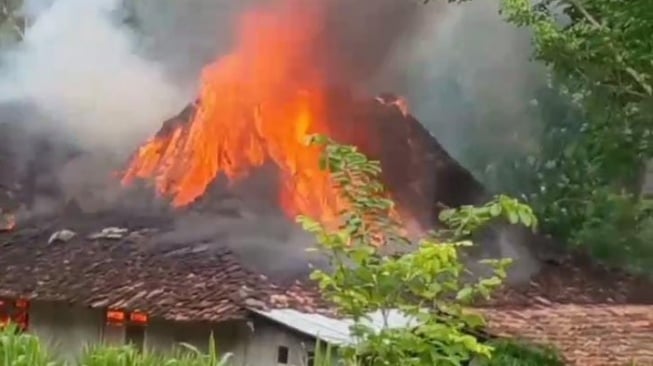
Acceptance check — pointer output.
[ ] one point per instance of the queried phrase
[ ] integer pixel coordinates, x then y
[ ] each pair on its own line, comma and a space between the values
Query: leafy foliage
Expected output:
512, 353
188, 355
374, 269
19, 349
11, 23
585, 177
22, 349
591, 166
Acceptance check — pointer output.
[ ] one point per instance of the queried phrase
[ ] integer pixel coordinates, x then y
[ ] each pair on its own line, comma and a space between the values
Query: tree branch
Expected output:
9, 16
592, 20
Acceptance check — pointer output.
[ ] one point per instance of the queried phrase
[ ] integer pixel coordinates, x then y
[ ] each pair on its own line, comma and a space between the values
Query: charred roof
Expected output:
121, 266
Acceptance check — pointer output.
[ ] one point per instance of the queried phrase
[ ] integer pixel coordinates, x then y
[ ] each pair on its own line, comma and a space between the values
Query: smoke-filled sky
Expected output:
82, 69
109, 85
107, 75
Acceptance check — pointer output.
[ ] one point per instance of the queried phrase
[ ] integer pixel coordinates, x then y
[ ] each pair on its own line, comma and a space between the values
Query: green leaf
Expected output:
495, 210
513, 217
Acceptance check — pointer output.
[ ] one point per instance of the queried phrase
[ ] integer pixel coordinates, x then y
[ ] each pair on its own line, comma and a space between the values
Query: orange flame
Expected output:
258, 105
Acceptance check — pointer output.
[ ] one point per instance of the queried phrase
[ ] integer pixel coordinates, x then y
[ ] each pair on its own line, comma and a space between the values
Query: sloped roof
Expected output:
595, 315
586, 335
189, 283
577, 279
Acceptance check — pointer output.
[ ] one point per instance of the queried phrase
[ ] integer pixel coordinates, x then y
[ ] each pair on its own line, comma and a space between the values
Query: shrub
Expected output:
375, 268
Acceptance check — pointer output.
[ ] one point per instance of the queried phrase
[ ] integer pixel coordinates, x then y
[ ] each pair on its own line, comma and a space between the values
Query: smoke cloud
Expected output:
462, 67
108, 83
79, 65
108, 72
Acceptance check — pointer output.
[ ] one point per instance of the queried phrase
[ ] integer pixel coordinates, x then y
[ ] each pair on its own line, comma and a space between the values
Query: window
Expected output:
282, 355
131, 324
15, 312
135, 335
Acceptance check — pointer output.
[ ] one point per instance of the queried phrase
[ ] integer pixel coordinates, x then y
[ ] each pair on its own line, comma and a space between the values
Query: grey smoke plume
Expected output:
468, 77
458, 65
108, 84
80, 66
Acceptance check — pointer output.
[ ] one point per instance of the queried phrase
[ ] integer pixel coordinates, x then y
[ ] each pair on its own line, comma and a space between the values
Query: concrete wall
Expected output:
253, 343
65, 329
264, 342
165, 336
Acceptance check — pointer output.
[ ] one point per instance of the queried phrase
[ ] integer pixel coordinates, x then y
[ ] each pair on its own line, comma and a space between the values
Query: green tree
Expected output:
12, 24
375, 268
584, 181
591, 167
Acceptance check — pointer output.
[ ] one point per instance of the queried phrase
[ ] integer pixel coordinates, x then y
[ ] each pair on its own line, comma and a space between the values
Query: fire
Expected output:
258, 105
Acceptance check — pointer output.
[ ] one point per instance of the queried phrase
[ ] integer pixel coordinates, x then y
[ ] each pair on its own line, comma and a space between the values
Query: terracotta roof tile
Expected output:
587, 335
205, 285
577, 280
587, 311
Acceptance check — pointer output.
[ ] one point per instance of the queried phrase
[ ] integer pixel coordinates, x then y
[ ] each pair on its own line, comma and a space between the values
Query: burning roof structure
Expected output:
124, 268
237, 155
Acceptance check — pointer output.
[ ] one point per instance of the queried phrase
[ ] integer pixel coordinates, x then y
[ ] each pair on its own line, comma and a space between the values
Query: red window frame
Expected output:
16, 312
119, 317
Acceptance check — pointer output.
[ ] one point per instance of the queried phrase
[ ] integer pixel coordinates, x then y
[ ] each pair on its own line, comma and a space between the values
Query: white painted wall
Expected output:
267, 337
68, 329
65, 329
164, 336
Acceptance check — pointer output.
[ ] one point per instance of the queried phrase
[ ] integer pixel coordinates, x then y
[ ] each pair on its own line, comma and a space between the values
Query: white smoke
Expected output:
108, 89
79, 65
468, 65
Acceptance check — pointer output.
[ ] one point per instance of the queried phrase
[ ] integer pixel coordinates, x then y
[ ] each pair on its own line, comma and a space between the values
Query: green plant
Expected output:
188, 355
513, 353
583, 171
591, 165
22, 349
376, 269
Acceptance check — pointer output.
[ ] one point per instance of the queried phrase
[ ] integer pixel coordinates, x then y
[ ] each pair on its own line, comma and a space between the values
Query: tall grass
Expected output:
22, 349
513, 353
128, 356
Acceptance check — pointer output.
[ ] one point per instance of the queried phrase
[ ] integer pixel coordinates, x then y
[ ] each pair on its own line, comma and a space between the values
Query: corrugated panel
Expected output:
330, 330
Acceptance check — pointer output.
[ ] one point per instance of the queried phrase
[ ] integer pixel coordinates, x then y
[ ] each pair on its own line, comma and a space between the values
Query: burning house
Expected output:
195, 236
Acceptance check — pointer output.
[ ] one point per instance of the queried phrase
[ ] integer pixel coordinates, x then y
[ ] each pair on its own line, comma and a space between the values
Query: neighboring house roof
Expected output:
586, 335
581, 308
189, 283
332, 330
577, 279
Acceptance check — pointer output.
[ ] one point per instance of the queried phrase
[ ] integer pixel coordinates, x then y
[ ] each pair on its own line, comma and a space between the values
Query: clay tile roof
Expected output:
595, 315
577, 279
191, 283
586, 335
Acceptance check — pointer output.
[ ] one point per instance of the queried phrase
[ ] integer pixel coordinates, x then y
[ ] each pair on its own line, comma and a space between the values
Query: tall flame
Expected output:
257, 105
